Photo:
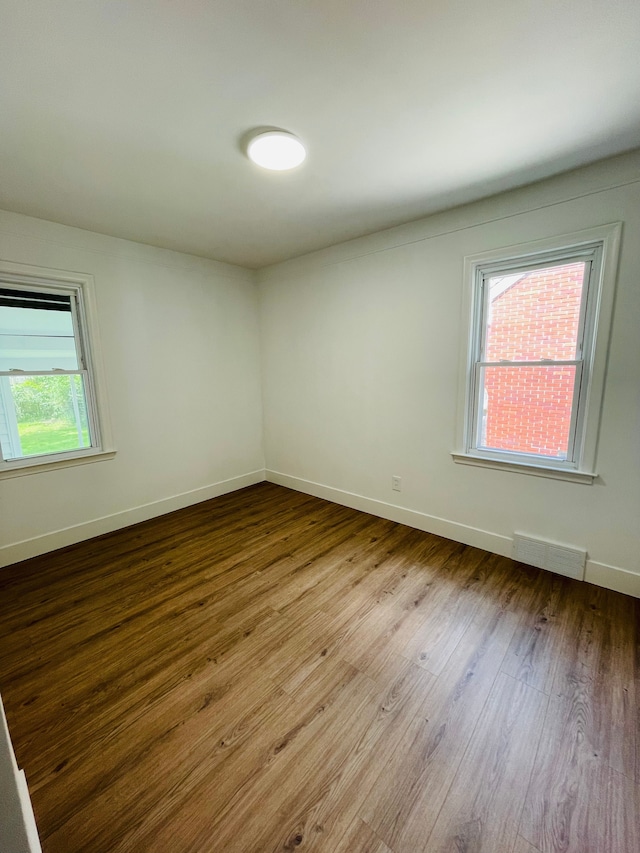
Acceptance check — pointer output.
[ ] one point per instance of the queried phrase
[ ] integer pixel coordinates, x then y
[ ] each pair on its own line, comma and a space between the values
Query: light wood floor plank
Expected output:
326, 811
596, 671
300, 760
360, 839
576, 803
537, 646
522, 846
404, 803
483, 805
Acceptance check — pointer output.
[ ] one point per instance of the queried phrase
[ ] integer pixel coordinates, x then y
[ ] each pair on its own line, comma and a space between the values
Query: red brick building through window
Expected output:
533, 317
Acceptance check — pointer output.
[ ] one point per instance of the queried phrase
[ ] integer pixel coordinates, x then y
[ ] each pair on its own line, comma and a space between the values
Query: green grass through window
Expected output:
50, 437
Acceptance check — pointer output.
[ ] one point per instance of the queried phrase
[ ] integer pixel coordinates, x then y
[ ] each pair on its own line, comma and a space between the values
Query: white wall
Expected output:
18, 831
180, 349
360, 359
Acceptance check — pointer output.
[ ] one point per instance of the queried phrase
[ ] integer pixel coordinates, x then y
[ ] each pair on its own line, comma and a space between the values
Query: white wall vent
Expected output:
548, 555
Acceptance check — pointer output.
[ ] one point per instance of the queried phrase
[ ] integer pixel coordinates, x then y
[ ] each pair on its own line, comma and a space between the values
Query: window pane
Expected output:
42, 414
33, 339
526, 409
534, 315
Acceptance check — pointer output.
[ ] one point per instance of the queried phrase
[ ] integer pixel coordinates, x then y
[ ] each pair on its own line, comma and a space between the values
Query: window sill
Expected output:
584, 477
53, 464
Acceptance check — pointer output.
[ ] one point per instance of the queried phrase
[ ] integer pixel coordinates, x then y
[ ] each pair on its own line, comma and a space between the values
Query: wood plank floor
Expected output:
271, 672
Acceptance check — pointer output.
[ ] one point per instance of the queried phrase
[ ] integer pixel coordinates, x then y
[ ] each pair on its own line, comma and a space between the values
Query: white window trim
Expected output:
24, 274
601, 304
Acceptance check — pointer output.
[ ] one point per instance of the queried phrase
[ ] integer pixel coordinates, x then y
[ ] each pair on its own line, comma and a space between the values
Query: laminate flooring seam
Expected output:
467, 748
529, 784
375, 834
531, 771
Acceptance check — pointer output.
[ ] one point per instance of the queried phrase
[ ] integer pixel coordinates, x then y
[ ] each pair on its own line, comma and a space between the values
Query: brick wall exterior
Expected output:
529, 409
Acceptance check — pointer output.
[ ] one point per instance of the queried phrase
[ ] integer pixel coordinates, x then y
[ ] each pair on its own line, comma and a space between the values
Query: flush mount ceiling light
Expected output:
276, 150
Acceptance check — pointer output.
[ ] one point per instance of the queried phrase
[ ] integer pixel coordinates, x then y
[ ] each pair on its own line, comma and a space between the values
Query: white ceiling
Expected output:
126, 116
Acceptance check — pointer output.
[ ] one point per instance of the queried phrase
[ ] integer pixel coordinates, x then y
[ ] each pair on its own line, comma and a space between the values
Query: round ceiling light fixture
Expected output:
276, 150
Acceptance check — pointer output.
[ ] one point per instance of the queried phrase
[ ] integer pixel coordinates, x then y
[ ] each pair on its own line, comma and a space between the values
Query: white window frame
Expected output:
81, 288
599, 247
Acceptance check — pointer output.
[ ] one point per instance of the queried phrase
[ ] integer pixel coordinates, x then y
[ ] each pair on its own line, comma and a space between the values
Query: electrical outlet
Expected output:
396, 484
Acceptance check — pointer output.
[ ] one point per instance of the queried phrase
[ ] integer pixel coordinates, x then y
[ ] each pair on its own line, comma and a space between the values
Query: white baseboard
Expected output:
421, 521
18, 551
613, 577
600, 574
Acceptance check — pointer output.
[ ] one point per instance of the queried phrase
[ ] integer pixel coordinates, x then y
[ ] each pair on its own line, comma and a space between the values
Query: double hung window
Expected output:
48, 408
534, 370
